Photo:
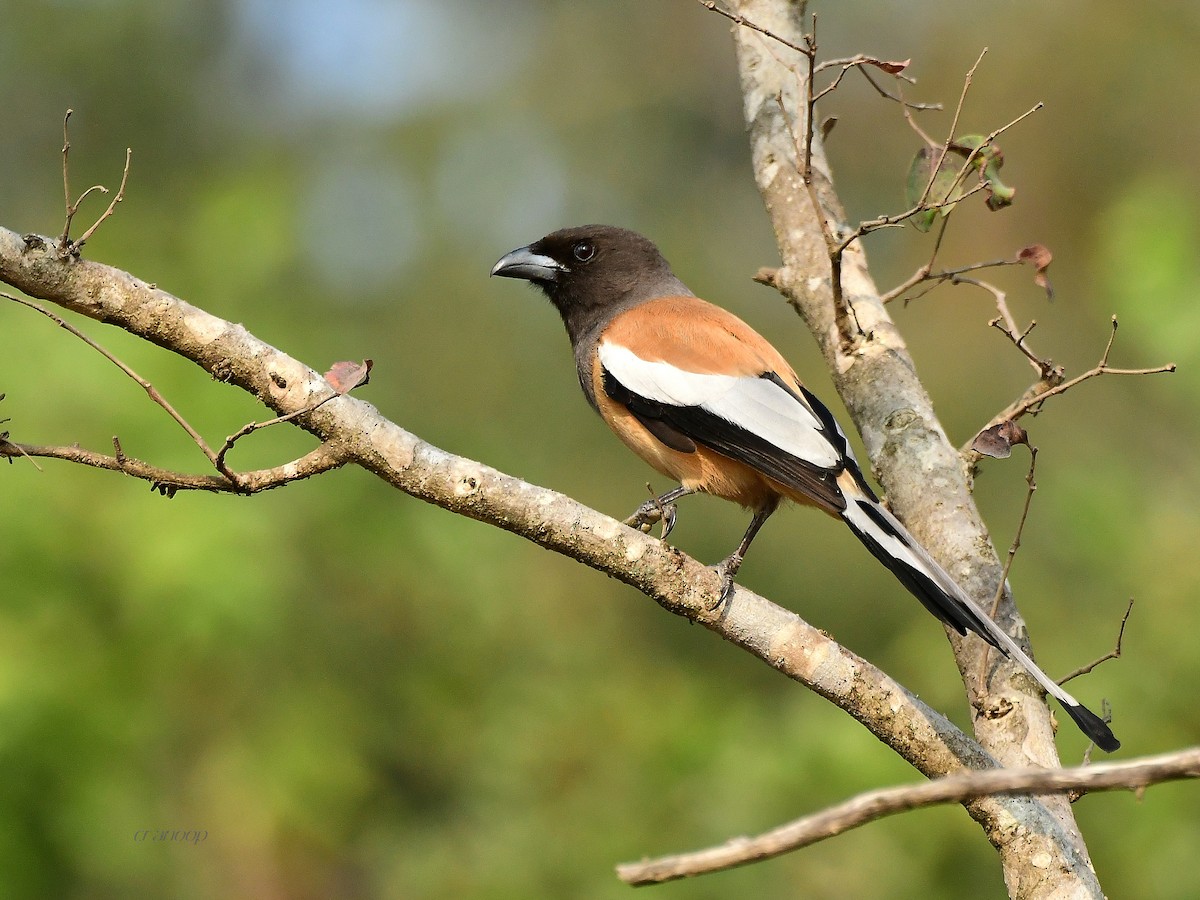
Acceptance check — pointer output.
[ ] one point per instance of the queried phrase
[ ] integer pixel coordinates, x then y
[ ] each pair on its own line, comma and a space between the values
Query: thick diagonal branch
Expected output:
354, 432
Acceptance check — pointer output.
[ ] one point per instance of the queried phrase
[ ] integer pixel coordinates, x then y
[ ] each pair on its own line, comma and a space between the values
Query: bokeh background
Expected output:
356, 694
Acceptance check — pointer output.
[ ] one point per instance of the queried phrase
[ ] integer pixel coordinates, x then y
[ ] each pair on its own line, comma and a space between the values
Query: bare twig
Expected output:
151, 391
67, 246
1115, 653
741, 20
66, 150
899, 96
945, 147
1033, 403
896, 219
111, 207
167, 482
862, 59
1048, 373
1135, 775
251, 427
843, 312
907, 109
1005, 322
942, 149
149, 388
230, 480
926, 273
861, 62
1001, 586
20, 452
1030, 490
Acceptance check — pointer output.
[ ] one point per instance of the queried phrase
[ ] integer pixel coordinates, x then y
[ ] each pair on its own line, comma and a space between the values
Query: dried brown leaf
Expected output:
344, 377
1040, 257
997, 441
893, 67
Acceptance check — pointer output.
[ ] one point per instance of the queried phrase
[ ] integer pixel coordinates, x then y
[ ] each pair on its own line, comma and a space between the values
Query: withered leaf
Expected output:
1039, 256
997, 441
892, 67
344, 377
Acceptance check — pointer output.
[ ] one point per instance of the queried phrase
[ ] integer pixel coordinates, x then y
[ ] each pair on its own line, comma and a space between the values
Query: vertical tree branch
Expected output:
918, 467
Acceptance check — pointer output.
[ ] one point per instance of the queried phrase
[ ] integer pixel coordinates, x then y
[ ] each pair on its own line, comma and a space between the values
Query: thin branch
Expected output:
974, 152
67, 246
861, 62
1002, 584
898, 97
892, 221
19, 451
926, 273
167, 482
907, 109
78, 245
1029, 404
1135, 775
861, 59
1115, 653
229, 477
741, 20
70, 209
252, 427
843, 311
1030, 490
945, 147
149, 388
1005, 323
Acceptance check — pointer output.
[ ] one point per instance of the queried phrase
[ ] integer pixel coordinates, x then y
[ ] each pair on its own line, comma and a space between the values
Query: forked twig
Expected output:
149, 388
66, 245
111, 206
1115, 653
1033, 403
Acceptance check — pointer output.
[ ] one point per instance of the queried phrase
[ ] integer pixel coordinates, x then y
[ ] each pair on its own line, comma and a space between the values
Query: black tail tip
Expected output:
1094, 727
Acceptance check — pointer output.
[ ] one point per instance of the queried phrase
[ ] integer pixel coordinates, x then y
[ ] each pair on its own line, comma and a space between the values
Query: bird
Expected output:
709, 403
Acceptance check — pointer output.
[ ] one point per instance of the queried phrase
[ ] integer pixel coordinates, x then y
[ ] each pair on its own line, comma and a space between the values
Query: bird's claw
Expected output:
668, 519
652, 512
727, 569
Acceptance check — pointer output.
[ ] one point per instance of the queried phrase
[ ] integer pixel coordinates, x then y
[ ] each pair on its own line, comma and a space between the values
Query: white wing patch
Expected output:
756, 405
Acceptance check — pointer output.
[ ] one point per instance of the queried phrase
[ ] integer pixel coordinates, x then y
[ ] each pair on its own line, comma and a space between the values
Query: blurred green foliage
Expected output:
355, 694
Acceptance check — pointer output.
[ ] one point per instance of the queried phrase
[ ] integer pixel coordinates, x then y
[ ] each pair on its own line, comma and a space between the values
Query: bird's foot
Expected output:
727, 569
652, 512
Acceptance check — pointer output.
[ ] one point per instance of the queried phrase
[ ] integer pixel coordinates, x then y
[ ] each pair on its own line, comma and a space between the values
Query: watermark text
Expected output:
170, 835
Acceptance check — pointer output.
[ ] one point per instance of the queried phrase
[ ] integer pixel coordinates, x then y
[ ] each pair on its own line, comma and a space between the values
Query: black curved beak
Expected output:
525, 263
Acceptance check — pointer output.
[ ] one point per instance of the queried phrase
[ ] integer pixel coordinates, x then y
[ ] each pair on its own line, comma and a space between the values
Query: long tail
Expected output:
891, 544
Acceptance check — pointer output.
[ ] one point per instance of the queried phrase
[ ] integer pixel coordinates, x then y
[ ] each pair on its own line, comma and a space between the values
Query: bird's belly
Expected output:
702, 469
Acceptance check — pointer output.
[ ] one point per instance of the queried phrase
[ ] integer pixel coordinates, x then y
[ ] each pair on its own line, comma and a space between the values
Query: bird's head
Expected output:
592, 272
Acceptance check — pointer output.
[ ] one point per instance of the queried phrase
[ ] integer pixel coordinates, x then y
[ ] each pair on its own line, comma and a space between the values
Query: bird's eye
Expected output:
584, 250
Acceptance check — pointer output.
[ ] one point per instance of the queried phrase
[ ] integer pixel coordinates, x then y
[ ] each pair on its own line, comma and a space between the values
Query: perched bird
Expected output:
708, 402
